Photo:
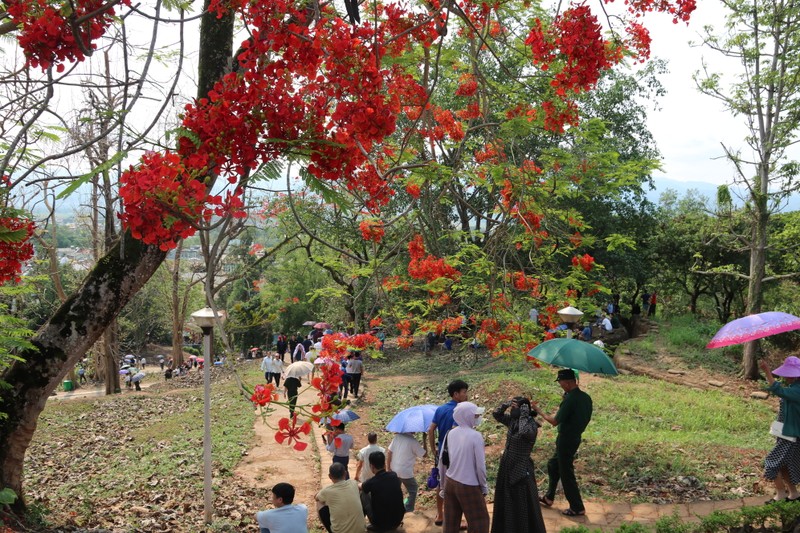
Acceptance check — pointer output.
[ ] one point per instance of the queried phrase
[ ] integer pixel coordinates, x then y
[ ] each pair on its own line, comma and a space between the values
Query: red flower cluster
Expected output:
428, 268
316, 88
585, 261
48, 34
413, 190
372, 230
468, 87
14, 254
376, 322
264, 394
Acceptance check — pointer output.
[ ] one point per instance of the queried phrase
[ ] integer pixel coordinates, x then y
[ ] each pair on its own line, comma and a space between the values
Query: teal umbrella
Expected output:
572, 353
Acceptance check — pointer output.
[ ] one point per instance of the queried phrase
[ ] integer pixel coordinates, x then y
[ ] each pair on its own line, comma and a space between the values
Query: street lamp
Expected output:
569, 316
205, 319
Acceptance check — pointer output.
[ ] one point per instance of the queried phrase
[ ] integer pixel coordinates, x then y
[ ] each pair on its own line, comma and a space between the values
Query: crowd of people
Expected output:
374, 500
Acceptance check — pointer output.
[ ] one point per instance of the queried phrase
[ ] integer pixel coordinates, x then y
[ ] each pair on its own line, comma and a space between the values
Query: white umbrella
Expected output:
299, 369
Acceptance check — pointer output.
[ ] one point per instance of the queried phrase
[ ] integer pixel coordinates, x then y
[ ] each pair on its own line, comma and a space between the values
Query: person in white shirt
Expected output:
363, 471
607, 324
286, 517
464, 472
403, 453
266, 367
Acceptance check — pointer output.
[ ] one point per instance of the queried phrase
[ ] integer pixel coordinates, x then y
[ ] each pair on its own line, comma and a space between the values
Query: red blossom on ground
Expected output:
291, 433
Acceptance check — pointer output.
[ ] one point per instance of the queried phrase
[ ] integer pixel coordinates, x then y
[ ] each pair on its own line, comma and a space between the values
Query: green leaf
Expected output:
82, 180
10, 236
328, 194
7, 496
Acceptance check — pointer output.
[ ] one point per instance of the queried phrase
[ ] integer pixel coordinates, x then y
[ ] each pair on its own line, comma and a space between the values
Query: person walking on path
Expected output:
363, 471
354, 369
266, 367
286, 517
276, 369
782, 464
282, 345
651, 311
516, 498
339, 444
463, 460
403, 453
291, 385
442, 423
572, 417
339, 504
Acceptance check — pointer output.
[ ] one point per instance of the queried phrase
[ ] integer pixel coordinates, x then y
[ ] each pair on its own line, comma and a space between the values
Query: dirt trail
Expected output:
269, 462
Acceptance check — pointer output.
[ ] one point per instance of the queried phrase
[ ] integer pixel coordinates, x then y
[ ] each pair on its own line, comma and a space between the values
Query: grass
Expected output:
643, 431
685, 337
134, 451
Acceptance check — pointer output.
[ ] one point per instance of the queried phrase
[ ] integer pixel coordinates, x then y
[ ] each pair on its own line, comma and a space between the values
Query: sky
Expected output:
690, 127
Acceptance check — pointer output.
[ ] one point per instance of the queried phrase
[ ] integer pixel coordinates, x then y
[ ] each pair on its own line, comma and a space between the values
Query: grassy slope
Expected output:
648, 441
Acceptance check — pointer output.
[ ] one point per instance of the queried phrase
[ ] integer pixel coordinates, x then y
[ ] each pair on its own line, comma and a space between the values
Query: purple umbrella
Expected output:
754, 327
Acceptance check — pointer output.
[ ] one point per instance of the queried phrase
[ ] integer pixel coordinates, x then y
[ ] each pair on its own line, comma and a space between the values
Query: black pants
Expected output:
343, 460
276, 376
560, 466
345, 386
292, 401
355, 381
325, 518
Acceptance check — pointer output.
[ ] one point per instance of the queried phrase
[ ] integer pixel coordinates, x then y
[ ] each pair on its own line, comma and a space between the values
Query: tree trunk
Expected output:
80, 321
110, 344
758, 261
177, 310
61, 343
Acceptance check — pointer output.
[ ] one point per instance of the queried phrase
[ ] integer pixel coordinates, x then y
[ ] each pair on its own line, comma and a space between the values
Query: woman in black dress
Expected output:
516, 498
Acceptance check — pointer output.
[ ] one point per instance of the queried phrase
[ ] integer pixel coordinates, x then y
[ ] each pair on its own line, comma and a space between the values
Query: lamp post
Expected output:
569, 316
205, 319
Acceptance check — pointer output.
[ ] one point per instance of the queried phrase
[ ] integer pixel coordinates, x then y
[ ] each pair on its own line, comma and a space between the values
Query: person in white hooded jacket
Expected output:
464, 472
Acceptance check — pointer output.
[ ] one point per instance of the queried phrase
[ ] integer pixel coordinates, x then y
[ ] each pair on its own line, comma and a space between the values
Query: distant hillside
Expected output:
709, 190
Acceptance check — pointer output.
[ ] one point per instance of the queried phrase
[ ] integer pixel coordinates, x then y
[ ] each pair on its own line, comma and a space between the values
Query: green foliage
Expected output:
14, 334
78, 182
672, 524
7, 496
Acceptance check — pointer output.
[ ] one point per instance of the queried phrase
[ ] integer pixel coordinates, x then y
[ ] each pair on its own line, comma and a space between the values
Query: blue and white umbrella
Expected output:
346, 416
412, 420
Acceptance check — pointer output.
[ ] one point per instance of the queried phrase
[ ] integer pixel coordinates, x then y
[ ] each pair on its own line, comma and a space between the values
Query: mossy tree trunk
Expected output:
84, 316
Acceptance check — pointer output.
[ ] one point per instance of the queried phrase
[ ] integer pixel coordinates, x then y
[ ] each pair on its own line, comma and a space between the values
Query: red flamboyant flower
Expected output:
585, 261
405, 341
14, 254
376, 322
413, 190
290, 433
264, 394
372, 230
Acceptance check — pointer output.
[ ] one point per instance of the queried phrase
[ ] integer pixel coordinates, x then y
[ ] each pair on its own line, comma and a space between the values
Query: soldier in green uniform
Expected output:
572, 417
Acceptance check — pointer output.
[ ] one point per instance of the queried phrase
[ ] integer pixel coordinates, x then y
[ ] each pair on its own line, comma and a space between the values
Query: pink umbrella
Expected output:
321, 325
754, 327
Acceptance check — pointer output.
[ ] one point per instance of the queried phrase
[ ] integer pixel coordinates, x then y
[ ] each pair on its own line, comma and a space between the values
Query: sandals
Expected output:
544, 501
570, 512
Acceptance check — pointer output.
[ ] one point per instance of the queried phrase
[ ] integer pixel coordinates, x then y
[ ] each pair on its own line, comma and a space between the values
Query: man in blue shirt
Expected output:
443, 422
286, 517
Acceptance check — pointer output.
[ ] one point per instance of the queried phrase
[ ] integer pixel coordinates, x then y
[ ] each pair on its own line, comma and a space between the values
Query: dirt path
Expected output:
268, 463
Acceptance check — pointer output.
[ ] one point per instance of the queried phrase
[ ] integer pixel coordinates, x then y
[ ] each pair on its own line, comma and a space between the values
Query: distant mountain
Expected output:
709, 190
